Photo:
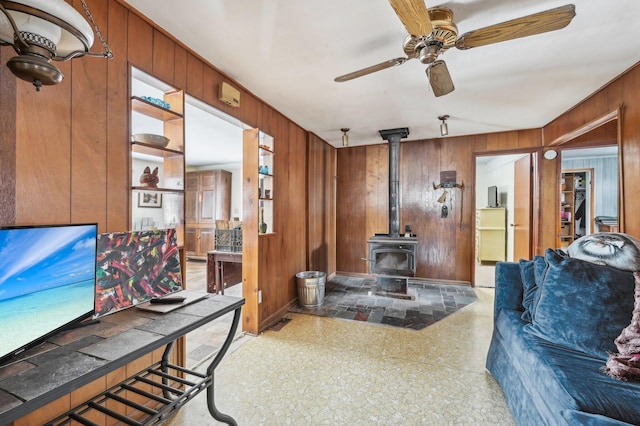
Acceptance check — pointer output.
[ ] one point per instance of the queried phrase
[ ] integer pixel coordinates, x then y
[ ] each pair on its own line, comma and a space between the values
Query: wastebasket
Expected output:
311, 288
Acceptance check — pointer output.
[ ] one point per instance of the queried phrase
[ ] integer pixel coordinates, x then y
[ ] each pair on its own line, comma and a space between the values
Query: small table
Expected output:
215, 268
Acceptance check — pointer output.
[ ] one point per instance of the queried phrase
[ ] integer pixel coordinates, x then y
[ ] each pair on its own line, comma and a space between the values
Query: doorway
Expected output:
588, 192
213, 192
502, 225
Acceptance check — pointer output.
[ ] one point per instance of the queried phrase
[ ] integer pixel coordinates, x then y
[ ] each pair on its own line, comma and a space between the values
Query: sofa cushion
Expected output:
532, 272
559, 382
581, 305
529, 287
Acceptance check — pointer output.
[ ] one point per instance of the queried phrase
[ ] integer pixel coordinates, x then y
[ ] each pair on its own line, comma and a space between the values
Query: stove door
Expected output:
392, 260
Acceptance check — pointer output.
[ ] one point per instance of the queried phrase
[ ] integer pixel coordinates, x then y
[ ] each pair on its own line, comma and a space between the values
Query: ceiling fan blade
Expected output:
414, 16
549, 20
378, 67
440, 79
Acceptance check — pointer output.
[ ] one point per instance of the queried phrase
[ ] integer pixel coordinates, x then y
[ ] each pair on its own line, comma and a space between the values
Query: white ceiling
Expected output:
288, 53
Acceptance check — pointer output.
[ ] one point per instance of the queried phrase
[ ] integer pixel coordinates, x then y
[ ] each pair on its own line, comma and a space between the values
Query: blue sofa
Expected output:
555, 320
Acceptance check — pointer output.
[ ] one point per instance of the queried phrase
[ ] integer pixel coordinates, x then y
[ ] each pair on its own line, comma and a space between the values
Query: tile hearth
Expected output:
358, 299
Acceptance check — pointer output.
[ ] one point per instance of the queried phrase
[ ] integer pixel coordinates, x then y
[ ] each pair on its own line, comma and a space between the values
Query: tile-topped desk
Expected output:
79, 356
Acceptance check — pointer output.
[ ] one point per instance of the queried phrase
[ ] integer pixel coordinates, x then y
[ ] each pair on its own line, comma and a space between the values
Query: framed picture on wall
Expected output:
150, 199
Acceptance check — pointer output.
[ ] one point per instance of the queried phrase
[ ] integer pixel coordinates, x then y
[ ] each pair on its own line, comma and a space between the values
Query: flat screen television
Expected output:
493, 196
47, 282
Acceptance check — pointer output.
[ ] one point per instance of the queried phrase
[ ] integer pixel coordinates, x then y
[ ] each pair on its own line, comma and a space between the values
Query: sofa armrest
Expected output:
509, 288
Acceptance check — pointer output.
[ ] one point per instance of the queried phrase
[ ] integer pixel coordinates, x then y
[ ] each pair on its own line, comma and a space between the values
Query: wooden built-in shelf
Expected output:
147, 189
152, 110
149, 149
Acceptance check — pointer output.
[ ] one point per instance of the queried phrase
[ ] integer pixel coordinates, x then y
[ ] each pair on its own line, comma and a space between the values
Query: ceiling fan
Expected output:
432, 32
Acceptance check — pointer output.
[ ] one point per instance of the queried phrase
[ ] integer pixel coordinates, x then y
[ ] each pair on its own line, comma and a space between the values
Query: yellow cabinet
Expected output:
491, 234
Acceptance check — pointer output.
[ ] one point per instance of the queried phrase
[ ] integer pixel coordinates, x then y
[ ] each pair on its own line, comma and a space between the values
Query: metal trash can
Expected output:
311, 288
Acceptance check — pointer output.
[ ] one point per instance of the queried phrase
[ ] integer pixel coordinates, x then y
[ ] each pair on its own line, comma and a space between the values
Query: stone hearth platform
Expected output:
357, 299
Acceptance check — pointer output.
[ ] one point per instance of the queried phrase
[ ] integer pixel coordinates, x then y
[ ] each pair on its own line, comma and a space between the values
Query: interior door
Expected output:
521, 226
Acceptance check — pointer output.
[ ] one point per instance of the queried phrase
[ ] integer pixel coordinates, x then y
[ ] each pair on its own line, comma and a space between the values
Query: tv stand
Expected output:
82, 324
144, 398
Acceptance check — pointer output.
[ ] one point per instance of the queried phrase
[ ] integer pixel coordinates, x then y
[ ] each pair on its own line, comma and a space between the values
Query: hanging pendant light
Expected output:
444, 129
345, 137
44, 30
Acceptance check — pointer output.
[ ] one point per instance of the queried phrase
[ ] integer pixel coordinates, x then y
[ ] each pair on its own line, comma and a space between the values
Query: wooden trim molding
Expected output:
621, 221
615, 114
586, 128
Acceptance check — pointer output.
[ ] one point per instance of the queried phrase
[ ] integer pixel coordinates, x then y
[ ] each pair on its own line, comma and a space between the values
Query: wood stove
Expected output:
392, 257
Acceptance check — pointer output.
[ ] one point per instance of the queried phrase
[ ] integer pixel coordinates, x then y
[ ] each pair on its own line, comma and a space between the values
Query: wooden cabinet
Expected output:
199, 241
491, 234
207, 199
156, 108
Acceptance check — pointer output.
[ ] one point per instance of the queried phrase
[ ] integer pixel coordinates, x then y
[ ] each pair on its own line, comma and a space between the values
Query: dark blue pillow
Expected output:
581, 305
539, 270
529, 287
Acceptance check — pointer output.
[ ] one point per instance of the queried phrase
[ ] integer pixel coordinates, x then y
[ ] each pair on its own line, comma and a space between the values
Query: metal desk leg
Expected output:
164, 366
210, 372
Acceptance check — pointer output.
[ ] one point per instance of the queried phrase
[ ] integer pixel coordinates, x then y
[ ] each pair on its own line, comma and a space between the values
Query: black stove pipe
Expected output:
393, 136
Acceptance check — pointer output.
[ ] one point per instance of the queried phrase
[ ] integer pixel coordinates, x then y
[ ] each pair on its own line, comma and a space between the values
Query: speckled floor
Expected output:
206, 340
327, 371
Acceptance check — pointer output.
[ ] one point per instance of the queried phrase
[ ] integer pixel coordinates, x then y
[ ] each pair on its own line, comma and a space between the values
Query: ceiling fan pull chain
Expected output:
107, 51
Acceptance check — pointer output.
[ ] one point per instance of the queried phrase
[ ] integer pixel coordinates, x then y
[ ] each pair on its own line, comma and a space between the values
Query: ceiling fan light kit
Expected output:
345, 137
44, 30
444, 128
433, 31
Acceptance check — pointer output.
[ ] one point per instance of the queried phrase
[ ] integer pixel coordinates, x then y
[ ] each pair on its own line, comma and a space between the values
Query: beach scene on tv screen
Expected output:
47, 279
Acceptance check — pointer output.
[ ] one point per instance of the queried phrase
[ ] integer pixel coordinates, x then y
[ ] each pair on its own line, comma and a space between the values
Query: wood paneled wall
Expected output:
65, 150
284, 253
321, 175
445, 245
7, 139
71, 141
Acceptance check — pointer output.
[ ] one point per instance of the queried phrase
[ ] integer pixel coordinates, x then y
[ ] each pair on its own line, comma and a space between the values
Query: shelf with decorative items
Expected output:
265, 183
566, 232
157, 154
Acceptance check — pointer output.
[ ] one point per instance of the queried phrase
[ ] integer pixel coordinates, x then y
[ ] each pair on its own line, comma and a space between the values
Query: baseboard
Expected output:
275, 317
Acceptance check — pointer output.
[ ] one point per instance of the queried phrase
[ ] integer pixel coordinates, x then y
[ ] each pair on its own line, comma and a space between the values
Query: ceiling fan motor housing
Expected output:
444, 35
